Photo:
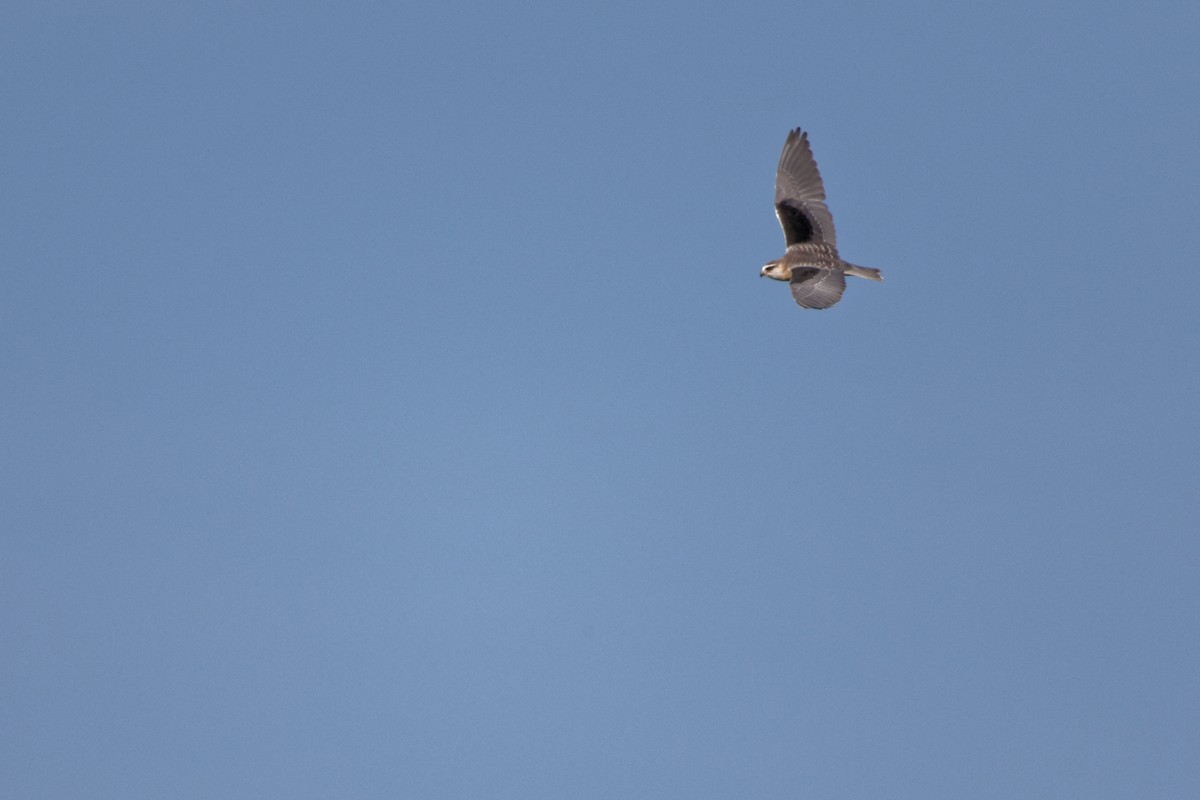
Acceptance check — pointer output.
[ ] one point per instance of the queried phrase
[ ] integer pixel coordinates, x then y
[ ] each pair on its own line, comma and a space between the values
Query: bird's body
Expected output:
811, 263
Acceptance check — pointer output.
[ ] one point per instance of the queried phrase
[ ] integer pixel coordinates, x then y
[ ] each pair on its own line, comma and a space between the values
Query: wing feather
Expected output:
800, 194
814, 287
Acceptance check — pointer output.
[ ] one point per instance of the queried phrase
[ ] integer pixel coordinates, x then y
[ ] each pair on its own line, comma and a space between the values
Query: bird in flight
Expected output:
811, 263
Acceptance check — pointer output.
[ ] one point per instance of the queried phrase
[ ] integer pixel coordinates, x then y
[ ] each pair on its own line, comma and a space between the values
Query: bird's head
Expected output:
775, 269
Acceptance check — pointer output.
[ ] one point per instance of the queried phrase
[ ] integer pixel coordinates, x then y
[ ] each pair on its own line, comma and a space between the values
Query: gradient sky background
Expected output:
392, 407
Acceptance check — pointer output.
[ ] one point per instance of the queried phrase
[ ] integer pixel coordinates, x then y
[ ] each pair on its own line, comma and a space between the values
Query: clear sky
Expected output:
391, 407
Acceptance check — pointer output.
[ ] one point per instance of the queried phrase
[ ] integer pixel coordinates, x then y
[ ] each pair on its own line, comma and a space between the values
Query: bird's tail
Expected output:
870, 273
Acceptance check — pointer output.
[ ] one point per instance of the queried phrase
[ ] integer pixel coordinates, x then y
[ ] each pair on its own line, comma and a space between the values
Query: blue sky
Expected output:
392, 407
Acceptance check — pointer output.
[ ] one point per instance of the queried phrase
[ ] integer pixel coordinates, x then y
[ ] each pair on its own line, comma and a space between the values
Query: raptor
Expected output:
810, 263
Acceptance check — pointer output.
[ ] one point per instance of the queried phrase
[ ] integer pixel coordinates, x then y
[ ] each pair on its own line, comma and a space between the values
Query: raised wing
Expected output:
814, 287
800, 195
